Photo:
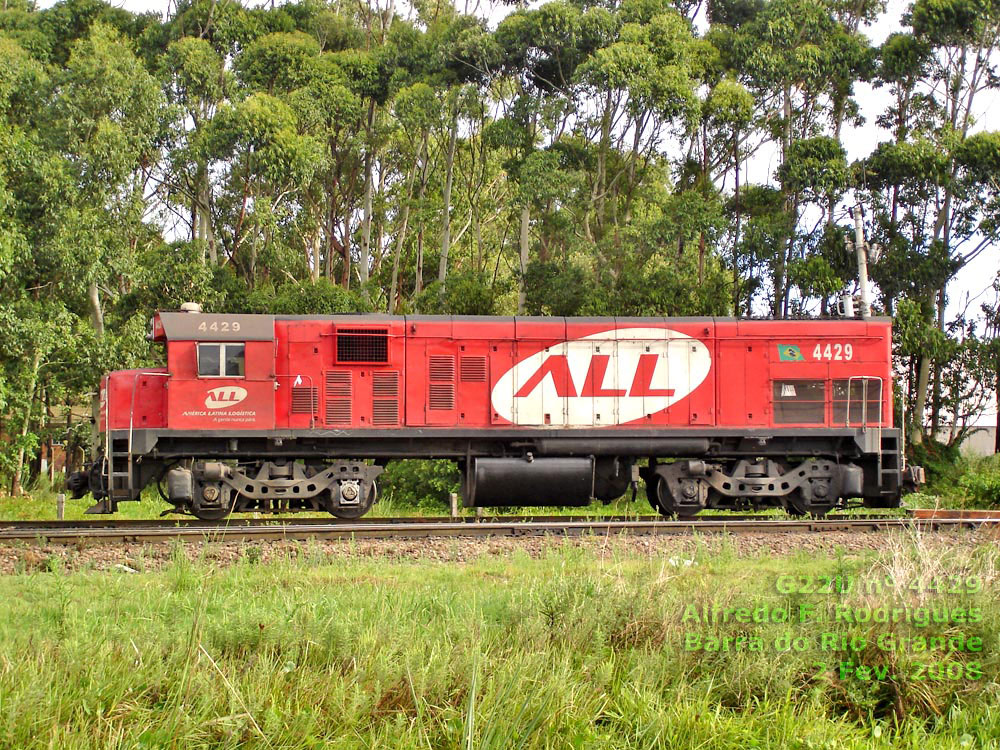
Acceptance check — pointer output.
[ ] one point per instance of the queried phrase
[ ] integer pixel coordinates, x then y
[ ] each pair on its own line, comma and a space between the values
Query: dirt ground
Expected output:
23, 558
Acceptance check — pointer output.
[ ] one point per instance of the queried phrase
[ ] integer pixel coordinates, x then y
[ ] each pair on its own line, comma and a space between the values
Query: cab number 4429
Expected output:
836, 352
220, 325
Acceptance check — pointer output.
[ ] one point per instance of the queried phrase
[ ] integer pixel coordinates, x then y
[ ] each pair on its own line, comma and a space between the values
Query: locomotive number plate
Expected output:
834, 352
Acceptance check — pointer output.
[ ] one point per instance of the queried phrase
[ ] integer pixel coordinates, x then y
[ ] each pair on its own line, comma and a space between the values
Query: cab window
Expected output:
221, 360
799, 401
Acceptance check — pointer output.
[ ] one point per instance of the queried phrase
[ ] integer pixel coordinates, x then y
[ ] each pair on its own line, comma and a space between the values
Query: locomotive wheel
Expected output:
354, 511
213, 512
662, 500
798, 505
210, 514
652, 497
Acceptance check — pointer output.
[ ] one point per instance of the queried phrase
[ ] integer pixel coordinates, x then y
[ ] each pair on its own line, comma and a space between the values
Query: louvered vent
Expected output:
442, 369
441, 390
338, 397
338, 411
472, 369
385, 398
442, 396
338, 383
305, 400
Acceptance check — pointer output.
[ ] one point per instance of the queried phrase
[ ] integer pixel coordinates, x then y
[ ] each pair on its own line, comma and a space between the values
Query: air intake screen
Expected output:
362, 345
385, 398
338, 397
441, 391
305, 400
473, 369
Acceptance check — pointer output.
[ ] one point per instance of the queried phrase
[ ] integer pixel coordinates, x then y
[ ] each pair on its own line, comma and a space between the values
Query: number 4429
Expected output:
836, 352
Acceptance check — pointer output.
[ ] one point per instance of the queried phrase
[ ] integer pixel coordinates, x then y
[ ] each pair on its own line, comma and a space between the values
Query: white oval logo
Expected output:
224, 396
607, 378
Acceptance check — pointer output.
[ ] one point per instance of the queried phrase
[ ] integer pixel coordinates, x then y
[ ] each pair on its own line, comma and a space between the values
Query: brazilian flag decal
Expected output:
789, 353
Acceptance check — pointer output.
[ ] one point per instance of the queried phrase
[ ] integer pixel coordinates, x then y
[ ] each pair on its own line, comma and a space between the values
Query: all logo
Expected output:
225, 396
607, 378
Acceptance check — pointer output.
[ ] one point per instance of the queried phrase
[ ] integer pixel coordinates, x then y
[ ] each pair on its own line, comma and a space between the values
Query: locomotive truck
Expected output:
279, 413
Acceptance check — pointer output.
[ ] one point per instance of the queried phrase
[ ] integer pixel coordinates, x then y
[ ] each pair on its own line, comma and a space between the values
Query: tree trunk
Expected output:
736, 230
780, 293
996, 435
418, 281
525, 224
366, 222
400, 239
315, 265
204, 230
446, 228
920, 400
97, 320
15, 484
936, 398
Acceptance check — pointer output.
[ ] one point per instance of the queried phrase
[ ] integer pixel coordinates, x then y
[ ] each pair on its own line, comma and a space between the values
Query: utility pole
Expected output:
861, 248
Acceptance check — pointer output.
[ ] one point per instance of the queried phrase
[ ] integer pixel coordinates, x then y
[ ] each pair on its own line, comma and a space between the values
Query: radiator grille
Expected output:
305, 400
338, 396
338, 411
385, 398
338, 383
441, 389
442, 396
442, 369
362, 345
472, 369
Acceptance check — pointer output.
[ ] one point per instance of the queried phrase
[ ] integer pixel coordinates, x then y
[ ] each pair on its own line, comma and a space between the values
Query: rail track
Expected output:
246, 530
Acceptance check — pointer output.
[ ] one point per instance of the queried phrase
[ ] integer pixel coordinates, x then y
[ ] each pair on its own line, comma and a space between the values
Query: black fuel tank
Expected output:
525, 481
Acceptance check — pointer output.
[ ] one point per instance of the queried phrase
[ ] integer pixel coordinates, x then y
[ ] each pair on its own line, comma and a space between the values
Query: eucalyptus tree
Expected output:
931, 189
197, 82
800, 58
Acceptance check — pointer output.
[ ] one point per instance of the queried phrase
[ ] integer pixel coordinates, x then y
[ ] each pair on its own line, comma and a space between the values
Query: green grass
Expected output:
582, 647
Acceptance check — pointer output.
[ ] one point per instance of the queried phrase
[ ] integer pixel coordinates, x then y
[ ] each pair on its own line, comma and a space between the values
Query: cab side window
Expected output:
221, 360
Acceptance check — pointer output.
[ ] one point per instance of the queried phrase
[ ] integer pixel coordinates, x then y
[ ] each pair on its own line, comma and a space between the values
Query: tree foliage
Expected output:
567, 159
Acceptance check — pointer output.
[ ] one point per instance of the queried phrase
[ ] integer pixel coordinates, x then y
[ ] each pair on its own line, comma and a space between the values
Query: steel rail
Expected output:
285, 520
381, 529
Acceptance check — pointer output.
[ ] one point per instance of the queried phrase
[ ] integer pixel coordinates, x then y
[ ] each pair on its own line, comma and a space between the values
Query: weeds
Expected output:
569, 650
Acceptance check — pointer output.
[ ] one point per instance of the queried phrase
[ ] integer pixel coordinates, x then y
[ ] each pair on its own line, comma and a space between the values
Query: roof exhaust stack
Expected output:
191, 307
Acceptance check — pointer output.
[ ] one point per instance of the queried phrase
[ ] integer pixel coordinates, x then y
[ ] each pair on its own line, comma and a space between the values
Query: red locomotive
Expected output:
285, 413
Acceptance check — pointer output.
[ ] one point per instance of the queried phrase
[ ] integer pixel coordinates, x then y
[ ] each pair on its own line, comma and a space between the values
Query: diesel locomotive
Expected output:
278, 413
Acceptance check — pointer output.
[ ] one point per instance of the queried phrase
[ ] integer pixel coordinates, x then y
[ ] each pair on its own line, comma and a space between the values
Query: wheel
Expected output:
210, 514
350, 512
220, 498
651, 496
662, 499
799, 504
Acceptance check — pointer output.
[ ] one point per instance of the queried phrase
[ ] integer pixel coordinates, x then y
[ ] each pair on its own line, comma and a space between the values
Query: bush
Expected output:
424, 484
982, 481
942, 462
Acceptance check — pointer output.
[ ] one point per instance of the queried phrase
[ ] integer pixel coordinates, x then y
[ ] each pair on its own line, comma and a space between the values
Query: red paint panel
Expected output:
139, 393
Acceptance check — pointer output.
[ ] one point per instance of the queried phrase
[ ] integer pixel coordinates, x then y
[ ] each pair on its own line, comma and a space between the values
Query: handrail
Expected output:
864, 410
864, 399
